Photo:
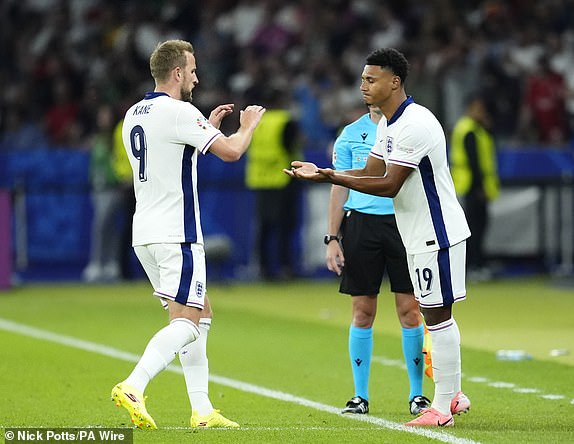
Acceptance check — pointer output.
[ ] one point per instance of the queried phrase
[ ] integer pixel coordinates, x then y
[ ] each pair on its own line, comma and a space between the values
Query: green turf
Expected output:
289, 337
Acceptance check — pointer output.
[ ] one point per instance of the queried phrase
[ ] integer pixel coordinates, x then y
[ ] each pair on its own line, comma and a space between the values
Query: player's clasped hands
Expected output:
249, 117
308, 171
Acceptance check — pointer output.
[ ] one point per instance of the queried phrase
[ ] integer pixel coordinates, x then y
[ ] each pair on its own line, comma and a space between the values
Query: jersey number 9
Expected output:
139, 150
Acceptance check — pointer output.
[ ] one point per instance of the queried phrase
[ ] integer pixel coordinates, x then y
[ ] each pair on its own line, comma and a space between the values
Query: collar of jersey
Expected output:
401, 109
153, 95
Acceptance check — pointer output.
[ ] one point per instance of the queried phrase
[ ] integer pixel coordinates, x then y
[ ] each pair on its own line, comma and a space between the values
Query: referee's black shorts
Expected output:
371, 245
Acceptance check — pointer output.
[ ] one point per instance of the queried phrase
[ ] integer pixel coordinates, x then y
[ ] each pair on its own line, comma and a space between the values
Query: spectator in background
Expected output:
307, 91
107, 200
21, 132
562, 61
475, 177
544, 108
459, 74
273, 147
106, 43
123, 172
422, 82
498, 75
113, 200
61, 116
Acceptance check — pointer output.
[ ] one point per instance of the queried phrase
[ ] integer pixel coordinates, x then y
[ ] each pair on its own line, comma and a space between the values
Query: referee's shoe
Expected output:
418, 403
357, 405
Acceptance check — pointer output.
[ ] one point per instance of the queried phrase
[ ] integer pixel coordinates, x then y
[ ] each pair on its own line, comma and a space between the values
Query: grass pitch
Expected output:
278, 357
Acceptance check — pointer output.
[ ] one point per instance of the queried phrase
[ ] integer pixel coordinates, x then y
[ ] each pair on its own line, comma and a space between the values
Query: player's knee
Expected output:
206, 313
434, 316
188, 331
362, 319
177, 310
410, 318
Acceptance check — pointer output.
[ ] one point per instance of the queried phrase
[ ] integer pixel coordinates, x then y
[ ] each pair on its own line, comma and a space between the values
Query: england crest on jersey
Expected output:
199, 289
389, 144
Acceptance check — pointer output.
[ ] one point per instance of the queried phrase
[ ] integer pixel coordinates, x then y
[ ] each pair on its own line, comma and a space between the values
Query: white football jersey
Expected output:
429, 216
162, 137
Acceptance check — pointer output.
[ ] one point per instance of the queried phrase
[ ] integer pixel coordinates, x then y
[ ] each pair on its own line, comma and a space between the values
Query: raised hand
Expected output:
219, 113
250, 116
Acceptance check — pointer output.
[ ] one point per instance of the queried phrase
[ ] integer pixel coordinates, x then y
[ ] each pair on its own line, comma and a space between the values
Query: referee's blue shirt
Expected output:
351, 151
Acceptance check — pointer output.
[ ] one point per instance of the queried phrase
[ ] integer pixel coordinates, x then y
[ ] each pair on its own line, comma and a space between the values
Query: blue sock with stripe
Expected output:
360, 350
414, 358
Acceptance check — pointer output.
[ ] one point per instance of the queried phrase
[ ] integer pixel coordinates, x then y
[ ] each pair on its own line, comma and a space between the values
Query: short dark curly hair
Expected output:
391, 59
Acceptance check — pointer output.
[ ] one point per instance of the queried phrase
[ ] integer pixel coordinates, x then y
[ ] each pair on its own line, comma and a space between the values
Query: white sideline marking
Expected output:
389, 362
105, 350
479, 380
526, 390
501, 384
553, 396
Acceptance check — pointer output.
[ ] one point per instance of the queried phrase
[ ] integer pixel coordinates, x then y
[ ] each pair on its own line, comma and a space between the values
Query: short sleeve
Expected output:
342, 153
194, 129
410, 146
379, 146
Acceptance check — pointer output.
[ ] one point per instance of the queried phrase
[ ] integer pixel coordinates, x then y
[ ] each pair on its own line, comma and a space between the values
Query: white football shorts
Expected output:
176, 272
439, 276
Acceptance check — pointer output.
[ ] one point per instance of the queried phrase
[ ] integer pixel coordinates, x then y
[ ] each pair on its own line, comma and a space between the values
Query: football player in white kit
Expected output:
163, 134
409, 163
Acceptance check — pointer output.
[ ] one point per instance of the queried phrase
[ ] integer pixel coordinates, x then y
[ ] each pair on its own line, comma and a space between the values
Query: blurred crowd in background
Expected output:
63, 60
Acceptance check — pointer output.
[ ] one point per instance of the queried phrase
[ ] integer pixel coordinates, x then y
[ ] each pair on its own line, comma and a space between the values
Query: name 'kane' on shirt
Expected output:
163, 137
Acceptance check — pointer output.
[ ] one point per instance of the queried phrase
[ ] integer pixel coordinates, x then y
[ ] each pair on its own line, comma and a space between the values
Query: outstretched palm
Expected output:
307, 171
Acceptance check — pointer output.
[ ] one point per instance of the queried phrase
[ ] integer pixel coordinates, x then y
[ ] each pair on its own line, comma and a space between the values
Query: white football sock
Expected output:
160, 351
193, 358
445, 355
458, 379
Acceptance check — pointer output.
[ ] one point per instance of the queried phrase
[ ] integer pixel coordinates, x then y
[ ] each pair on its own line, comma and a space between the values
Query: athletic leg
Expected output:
412, 340
193, 358
361, 278
445, 354
169, 267
438, 279
195, 365
162, 349
408, 313
361, 342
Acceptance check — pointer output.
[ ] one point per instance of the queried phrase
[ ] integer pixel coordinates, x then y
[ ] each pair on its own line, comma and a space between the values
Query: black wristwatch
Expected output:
330, 237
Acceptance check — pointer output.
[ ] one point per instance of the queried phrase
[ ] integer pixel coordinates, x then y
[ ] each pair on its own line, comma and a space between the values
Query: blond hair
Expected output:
166, 56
